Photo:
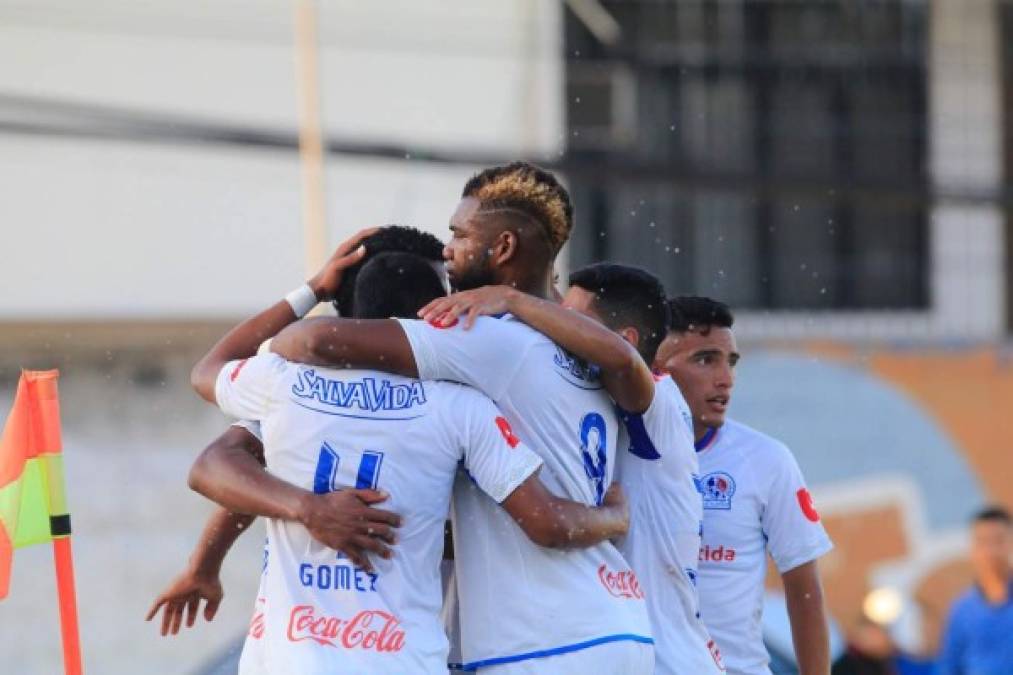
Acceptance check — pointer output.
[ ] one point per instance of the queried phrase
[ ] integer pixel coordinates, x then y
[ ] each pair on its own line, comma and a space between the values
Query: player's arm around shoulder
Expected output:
555, 522
507, 470
624, 374
375, 344
244, 339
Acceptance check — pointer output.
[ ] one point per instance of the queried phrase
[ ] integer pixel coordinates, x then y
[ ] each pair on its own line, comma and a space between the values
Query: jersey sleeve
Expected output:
790, 521
244, 389
252, 426
486, 357
494, 457
667, 414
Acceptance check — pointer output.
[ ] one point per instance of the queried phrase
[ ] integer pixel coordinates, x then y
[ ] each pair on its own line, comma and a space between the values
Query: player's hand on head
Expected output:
484, 301
183, 597
347, 522
326, 282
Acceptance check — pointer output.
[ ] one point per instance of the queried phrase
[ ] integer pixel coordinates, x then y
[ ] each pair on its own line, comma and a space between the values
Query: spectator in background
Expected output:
870, 651
978, 639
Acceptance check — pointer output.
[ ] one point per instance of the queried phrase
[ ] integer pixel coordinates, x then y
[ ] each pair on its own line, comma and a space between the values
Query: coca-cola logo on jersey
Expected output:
257, 622
374, 630
621, 584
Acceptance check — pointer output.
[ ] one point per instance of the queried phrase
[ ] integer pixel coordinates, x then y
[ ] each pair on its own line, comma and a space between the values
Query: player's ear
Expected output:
504, 247
631, 335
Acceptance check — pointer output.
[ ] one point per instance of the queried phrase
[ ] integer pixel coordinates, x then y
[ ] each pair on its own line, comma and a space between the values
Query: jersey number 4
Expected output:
592, 449
325, 478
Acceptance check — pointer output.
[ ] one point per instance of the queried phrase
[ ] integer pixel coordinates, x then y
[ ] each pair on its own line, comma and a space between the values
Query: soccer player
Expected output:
340, 519
755, 502
523, 608
328, 429
658, 466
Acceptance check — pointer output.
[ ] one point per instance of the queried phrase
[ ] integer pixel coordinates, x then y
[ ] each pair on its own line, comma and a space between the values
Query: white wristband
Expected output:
302, 300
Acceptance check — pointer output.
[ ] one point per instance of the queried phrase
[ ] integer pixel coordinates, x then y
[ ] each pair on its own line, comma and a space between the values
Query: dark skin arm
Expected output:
243, 341
227, 472
554, 522
382, 345
625, 376
374, 344
200, 580
809, 633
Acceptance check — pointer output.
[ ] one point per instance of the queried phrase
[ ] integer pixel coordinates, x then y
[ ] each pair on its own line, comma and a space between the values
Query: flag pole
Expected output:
310, 136
67, 596
48, 419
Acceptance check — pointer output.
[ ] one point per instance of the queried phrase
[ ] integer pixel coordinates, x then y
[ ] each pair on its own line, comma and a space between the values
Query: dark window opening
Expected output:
779, 149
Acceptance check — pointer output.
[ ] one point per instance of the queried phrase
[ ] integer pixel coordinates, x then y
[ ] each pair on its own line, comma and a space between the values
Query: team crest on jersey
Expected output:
718, 490
575, 371
367, 394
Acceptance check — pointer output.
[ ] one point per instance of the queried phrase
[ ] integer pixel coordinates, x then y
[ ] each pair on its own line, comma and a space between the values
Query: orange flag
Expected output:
33, 508
33, 505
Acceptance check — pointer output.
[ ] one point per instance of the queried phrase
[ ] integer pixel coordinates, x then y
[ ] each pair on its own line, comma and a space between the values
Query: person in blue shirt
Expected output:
979, 634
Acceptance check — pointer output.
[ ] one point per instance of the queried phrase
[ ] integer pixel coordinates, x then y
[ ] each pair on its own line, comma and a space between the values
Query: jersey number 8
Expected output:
592, 449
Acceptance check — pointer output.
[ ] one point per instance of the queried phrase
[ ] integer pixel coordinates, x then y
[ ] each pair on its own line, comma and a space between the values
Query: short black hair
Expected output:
695, 312
390, 238
628, 296
395, 284
993, 514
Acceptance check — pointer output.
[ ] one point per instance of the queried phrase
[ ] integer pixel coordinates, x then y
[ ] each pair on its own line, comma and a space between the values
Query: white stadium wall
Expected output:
156, 231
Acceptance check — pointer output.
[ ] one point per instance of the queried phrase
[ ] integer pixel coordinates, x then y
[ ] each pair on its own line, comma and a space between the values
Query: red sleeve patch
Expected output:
235, 371
508, 433
805, 502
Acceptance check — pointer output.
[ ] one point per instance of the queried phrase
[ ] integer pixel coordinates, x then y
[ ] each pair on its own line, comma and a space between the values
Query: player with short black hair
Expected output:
389, 239
507, 229
335, 430
656, 463
698, 313
394, 284
627, 296
755, 502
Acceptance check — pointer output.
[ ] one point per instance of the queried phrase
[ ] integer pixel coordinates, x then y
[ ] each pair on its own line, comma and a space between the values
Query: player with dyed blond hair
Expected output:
326, 430
547, 612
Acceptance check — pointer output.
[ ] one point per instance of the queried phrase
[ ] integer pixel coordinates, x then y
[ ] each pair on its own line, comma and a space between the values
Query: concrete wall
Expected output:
98, 229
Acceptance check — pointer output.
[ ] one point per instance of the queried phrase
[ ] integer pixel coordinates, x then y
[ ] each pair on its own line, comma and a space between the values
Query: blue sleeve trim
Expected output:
555, 651
641, 444
705, 441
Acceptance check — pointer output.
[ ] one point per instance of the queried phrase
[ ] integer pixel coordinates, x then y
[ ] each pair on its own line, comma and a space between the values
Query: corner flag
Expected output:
33, 507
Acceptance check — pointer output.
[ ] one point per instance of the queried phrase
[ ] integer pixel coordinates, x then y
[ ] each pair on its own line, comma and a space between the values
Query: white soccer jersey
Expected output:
251, 660
520, 601
755, 501
329, 429
658, 470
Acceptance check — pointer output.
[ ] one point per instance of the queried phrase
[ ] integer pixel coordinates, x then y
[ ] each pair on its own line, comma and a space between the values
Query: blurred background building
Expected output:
838, 171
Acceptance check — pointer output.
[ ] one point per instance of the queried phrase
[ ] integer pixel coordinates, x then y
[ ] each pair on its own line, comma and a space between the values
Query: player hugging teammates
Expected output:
520, 413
